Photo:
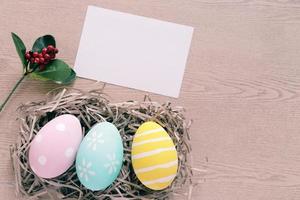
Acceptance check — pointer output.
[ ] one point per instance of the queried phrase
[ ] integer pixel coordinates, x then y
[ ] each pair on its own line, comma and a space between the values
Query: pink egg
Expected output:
53, 150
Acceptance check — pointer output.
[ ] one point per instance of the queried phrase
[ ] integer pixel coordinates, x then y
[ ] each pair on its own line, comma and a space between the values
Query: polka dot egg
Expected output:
154, 157
53, 149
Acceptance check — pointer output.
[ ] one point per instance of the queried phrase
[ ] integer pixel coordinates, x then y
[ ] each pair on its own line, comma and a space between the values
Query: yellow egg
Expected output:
154, 156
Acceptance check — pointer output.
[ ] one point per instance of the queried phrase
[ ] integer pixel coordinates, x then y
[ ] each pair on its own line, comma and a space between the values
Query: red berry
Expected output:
55, 50
44, 51
50, 48
52, 56
41, 55
32, 60
36, 60
42, 60
35, 54
47, 57
27, 55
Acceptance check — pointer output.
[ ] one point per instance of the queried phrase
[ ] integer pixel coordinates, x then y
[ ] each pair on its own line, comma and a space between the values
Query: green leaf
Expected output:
21, 49
42, 42
57, 71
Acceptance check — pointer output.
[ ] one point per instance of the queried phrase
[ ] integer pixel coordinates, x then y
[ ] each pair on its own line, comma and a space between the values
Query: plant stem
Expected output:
11, 92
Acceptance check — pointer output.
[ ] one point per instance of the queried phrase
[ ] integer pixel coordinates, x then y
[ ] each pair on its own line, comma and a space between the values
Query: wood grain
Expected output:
241, 86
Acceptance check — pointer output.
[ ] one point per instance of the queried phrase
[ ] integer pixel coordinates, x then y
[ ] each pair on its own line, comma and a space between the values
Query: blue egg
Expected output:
100, 156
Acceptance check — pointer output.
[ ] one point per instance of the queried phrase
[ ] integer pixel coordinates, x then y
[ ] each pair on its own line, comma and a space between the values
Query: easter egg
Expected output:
53, 149
100, 156
154, 156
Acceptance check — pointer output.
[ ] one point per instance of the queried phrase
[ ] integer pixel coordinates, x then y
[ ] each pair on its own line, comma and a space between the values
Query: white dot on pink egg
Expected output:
38, 138
69, 152
42, 160
60, 127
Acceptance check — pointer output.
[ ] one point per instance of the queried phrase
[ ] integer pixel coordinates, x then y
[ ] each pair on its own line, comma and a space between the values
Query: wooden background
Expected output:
241, 86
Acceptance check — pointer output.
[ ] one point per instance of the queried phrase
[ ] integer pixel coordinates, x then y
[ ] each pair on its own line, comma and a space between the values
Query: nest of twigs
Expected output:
90, 108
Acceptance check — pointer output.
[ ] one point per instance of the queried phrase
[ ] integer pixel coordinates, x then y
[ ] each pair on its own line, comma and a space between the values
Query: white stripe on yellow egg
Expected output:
152, 140
167, 156
154, 156
161, 183
165, 165
149, 132
151, 153
157, 173
157, 134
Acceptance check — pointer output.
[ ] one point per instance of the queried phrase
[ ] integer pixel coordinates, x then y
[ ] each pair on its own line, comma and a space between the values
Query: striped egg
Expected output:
154, 156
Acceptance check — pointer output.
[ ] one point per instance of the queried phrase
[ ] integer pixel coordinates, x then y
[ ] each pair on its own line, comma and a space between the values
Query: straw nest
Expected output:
92, 107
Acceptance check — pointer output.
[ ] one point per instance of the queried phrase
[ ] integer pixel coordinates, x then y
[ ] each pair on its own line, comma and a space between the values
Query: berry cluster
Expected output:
42, 58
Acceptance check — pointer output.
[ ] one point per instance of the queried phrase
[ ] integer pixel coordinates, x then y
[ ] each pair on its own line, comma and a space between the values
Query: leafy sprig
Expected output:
55, 70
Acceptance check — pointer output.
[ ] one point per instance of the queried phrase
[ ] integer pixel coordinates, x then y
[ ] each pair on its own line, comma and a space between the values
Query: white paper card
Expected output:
133, 51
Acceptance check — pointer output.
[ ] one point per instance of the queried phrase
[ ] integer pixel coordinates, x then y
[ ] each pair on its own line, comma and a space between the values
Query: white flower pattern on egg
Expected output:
106, 159
94, 140
85, 171
112, 163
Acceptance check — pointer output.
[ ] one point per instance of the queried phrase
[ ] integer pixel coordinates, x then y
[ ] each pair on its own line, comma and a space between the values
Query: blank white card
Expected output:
133, 51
